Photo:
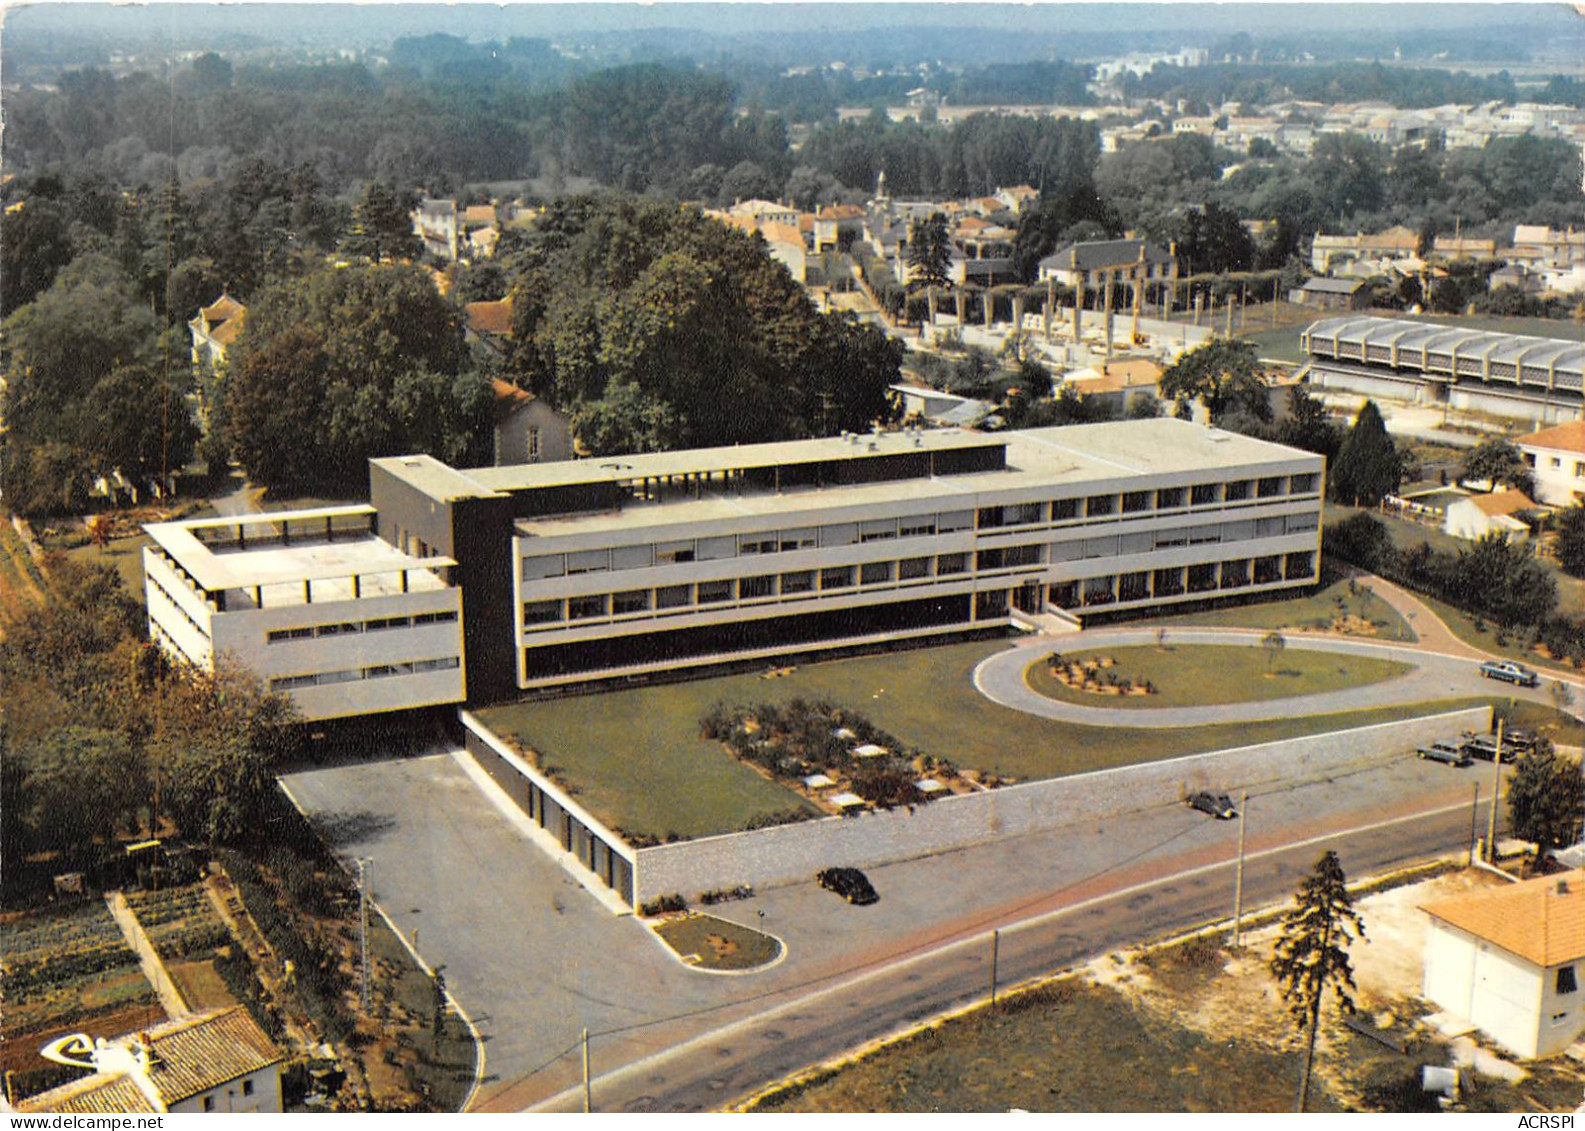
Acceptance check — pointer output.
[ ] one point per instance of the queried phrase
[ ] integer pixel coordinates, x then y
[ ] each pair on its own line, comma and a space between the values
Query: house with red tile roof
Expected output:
1508, 960
1557, 456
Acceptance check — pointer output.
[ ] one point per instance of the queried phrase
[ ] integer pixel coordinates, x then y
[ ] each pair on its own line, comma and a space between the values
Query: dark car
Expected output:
1449, 752
1484, 747
1218, 805
850, 883
1509, 672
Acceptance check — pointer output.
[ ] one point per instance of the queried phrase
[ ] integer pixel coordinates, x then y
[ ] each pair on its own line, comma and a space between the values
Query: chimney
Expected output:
1562, 887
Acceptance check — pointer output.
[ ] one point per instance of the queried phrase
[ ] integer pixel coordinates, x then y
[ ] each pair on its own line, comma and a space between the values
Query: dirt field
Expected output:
1193, 1026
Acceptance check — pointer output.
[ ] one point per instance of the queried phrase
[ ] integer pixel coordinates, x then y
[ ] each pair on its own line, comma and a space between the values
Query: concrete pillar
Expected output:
1078, 304
1051, 306
1107, 279
1018, 312
988, 307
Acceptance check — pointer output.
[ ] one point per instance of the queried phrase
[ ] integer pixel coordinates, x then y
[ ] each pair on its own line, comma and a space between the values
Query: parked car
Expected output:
1509, 672
850, 883
1450, 752
1484, 747
1218, 805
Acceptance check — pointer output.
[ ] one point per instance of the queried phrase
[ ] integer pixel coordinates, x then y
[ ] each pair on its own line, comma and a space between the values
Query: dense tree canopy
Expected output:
348, 364
1545, 799
659, 328
90, 390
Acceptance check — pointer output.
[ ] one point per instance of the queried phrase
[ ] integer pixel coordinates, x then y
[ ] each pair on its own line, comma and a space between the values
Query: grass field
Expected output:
1196, 675
1321, 611
638, 761
718, 944
1065, 1047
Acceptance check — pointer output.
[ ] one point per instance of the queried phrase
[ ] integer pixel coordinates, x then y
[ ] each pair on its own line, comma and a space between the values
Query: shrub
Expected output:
662, 904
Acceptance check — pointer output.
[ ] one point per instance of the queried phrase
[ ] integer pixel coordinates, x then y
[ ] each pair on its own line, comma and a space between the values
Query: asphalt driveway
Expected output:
533, 957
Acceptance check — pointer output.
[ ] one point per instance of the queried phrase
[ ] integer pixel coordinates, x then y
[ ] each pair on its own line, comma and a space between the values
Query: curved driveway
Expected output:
1000, 678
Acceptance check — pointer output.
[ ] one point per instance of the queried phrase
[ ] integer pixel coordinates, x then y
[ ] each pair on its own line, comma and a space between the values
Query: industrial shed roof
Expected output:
1565, 355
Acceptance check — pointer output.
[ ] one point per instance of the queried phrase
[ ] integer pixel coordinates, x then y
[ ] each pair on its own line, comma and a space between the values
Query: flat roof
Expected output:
737, 457
1040, 457
437, 480
1563, 353
216, 568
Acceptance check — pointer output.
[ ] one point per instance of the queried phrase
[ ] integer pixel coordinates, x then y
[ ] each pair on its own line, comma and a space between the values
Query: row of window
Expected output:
538, 567
792, 584
1205, 577
1144, 542
157, 630
346, 628
373, 671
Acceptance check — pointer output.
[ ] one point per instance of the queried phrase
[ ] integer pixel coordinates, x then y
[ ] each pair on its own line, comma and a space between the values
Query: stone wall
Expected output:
794, 853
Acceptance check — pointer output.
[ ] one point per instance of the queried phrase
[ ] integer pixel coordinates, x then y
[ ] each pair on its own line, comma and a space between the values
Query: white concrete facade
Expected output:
1512, 1000
1093, 519
312, 603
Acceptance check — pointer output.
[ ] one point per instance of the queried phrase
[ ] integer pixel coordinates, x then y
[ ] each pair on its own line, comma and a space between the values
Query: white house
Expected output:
218, 1061
1508, 961
1557, 456
1497, 513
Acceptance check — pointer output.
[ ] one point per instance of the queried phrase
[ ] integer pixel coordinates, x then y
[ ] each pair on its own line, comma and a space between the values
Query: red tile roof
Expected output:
1502, 502
1564, 438
1540, 920
490, 317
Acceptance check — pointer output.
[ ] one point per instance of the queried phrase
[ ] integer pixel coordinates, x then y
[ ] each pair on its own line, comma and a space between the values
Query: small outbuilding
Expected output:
1508, 961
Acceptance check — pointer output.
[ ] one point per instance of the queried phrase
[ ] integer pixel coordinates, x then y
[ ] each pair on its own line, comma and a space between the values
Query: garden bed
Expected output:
180, 922
718, 944
1200, 675
62, 966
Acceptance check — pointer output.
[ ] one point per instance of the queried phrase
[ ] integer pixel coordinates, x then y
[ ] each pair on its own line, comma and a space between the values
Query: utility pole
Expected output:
363, 928
1238, 882
996, 946
1474, 815
588, 1104
1496, 795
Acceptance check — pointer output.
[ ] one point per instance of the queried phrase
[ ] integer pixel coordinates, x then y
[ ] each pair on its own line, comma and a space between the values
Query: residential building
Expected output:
1019, 198
1557, 457
436, 223
837, 224
1464, 247
314, 603
219, 1061
1508, 960
1497, 513
488, 324
1327, 253
1509, 375
528, 430
1331, 294
1081, 264
214, 329
1119, 384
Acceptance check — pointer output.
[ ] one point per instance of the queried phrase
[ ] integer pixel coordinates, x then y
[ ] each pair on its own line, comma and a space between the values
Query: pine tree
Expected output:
930, 252
1312, 953
1368, 466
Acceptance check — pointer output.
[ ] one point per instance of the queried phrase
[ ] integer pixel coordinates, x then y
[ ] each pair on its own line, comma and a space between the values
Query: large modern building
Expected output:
1523, 378
606, 568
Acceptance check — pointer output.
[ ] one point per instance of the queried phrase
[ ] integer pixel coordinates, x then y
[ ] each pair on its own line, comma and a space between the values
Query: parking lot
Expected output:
534, 958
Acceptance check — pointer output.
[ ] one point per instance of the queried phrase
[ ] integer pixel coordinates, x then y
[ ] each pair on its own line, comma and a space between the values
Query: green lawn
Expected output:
1319, 610
1206, 674
638, 761
718, 944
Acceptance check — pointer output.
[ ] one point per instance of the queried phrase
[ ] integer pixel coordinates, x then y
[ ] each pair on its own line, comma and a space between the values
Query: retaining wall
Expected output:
794, 853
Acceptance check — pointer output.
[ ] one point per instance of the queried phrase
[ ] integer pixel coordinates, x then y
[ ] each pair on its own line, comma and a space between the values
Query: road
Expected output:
1000, 678
732, 1062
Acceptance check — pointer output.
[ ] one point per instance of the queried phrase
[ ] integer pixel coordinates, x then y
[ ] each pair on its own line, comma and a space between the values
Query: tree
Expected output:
1223, 374
78, 784
345, 365
1307, 425
382, 226
1368, 466
929, 252
1569, 544
1273, 642
1545, 799
1498, 462
1312, 953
